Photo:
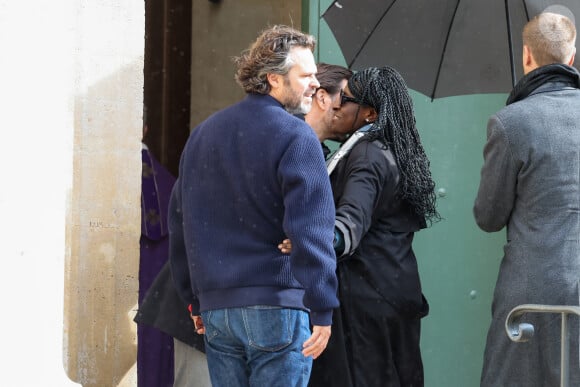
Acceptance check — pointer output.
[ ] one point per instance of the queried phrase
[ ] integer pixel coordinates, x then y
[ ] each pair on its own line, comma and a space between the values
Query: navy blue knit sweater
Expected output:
251, 175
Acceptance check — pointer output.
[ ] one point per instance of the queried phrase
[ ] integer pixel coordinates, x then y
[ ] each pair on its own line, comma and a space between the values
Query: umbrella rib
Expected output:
510, 43
370, 34
444, 49
509, 32
526, 10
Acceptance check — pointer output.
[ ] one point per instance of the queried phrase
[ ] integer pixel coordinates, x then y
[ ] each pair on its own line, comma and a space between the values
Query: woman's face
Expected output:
350, 116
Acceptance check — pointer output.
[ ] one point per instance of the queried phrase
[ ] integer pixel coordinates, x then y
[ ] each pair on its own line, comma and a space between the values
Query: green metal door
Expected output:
457, 261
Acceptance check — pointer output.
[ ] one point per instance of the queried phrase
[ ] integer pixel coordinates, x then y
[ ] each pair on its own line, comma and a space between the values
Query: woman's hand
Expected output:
285, 246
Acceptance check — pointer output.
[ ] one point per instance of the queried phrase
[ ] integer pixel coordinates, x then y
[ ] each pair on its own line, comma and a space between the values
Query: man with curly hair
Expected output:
249, 176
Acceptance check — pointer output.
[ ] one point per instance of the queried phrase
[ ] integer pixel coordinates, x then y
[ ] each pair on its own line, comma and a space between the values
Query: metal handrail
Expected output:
522, 332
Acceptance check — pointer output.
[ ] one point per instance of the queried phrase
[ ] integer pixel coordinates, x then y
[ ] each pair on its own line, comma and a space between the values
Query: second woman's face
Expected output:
350, 117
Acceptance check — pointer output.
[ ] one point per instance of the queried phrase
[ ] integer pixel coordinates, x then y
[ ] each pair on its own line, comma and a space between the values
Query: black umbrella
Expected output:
441, 47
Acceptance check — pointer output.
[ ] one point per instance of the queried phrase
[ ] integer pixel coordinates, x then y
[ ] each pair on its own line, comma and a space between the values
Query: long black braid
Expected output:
385, 90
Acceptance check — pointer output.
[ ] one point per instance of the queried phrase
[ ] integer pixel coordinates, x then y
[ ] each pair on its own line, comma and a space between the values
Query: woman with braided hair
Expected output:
383, 193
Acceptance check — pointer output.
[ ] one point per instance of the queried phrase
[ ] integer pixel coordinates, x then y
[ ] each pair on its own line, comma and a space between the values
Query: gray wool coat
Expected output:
530, 183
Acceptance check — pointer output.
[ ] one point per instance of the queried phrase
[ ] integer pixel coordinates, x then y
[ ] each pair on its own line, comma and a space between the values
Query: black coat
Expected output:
379, 286
378, 228
163, 309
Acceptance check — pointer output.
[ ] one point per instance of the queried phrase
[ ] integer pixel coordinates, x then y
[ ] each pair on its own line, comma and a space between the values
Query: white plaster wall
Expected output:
44, 64
35, 168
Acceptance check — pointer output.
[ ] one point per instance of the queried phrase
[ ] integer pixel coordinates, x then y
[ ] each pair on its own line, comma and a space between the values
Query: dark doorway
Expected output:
167, 74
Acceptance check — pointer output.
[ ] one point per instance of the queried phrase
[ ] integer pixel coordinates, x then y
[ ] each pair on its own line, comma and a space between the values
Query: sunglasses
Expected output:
345, 98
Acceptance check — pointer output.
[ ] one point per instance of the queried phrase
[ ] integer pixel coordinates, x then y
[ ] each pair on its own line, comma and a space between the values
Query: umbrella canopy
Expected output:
441, 47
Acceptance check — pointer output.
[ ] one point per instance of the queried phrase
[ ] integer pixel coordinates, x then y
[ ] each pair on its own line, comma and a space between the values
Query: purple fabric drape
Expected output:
155, 348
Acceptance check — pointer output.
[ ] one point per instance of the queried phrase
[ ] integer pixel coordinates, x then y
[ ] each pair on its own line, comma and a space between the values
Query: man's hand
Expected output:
316, 344
198, 324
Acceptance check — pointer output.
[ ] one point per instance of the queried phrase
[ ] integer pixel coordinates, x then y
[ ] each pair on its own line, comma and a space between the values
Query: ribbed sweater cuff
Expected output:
321, 318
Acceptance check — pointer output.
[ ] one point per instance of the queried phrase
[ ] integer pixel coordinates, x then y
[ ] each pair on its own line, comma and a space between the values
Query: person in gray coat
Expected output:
530, 184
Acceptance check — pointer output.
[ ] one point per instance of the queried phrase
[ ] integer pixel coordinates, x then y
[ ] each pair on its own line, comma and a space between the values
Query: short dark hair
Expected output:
329, 76
269, 54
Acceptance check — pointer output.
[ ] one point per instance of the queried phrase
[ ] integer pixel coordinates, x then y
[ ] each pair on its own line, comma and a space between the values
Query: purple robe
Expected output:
155, 348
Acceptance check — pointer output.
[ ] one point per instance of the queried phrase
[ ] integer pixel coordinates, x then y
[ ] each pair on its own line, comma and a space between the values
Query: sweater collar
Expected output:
264, 98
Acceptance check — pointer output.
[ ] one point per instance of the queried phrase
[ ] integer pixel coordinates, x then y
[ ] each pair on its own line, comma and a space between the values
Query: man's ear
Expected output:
528, 58
571, 62
321, 98
526, 55
275, 80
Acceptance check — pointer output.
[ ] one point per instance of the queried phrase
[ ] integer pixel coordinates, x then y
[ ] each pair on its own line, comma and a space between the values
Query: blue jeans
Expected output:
257, 346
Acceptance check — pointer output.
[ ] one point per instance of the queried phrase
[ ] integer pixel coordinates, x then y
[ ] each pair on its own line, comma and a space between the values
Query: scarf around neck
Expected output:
542, 75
